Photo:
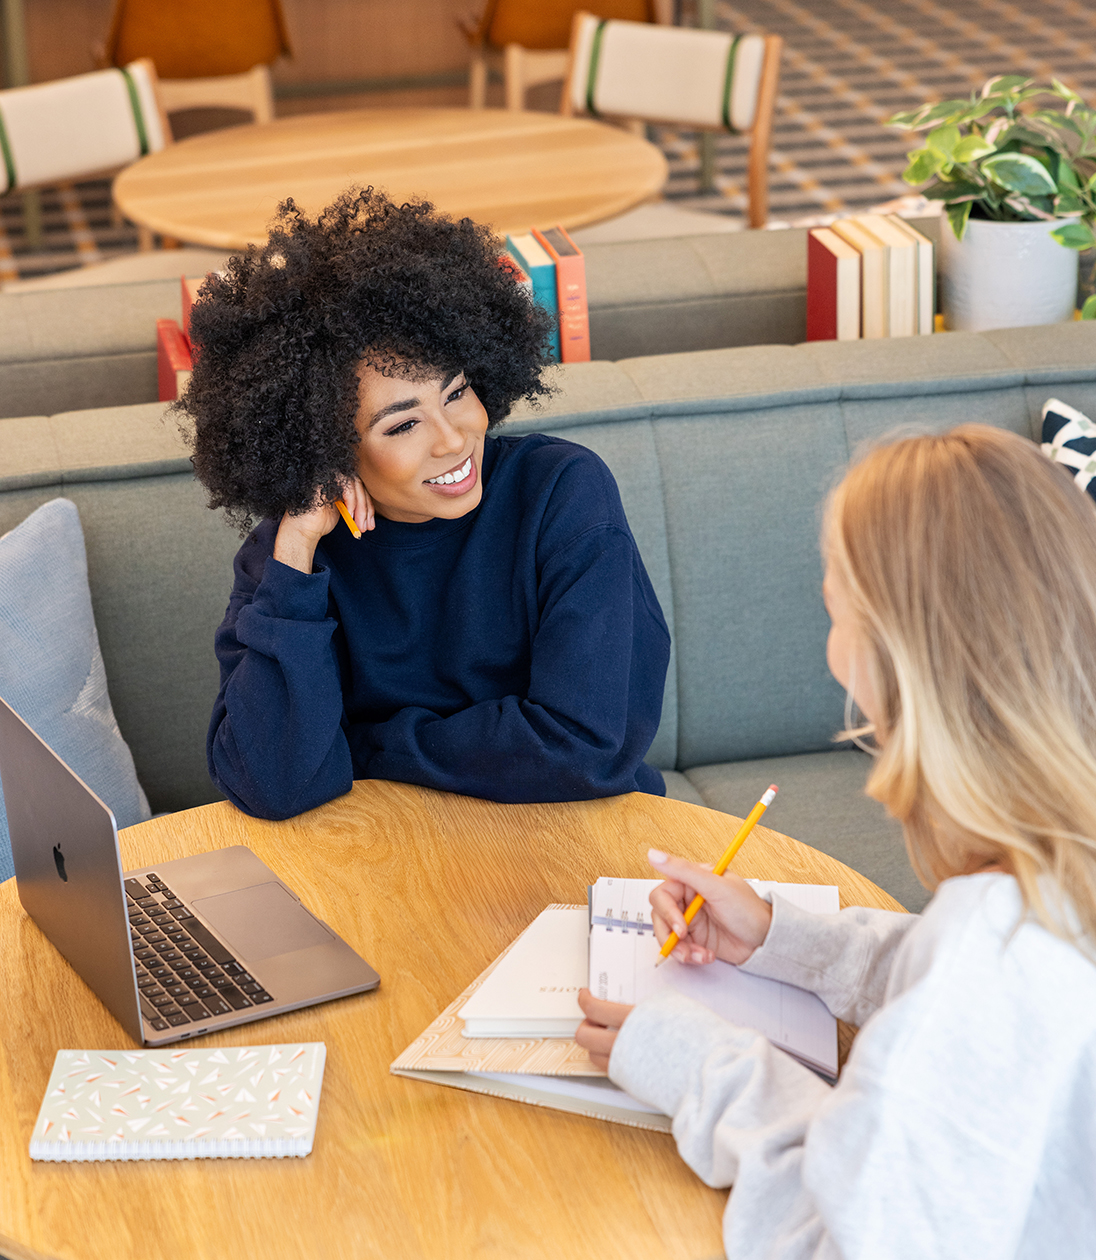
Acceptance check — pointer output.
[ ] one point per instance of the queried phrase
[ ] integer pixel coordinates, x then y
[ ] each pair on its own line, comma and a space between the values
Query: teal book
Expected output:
537, 264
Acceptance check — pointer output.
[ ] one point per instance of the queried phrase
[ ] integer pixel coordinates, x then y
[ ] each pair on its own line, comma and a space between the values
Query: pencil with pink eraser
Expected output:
725, 861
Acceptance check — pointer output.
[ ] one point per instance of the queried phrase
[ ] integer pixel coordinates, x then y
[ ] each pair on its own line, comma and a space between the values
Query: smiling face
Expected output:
421, 450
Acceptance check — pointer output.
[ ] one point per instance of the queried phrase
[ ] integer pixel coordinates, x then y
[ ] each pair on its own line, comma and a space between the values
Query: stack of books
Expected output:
174, 357
553, 267
869, 276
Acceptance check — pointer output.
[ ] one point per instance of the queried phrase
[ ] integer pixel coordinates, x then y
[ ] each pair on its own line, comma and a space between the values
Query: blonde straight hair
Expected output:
969, 563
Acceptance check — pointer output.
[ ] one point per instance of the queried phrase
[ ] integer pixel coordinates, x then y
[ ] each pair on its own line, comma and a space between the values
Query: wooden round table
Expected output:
511, 169
429, 888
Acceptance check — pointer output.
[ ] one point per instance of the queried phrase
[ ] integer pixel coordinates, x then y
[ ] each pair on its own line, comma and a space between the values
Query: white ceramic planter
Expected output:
1006, 275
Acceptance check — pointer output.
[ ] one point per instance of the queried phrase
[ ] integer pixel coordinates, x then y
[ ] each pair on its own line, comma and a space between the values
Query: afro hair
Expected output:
271, 406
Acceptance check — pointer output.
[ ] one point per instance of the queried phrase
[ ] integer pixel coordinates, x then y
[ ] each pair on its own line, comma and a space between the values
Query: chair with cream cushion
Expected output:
91, 124
250, 91
707, 80
531, 41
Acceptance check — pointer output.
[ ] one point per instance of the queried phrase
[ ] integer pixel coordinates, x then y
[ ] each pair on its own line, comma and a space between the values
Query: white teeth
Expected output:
453, 478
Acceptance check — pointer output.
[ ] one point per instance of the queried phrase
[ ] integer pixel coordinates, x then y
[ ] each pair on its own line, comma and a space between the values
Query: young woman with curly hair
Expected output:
961, 586
493, 632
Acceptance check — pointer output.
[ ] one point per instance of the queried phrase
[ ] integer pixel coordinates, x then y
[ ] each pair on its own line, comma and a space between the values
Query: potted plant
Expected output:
1015, 167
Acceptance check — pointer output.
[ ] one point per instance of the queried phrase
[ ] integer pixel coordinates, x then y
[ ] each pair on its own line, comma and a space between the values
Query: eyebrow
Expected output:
407, 403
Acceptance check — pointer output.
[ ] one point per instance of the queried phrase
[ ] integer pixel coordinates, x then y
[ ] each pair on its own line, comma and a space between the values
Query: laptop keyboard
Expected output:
184, 974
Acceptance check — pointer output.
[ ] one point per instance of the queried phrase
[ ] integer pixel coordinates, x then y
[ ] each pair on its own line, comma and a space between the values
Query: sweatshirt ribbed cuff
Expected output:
663, 1044
289, 594
794, 936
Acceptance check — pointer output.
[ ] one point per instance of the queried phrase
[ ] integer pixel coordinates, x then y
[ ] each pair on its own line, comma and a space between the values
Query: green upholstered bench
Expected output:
62, 349
723, 459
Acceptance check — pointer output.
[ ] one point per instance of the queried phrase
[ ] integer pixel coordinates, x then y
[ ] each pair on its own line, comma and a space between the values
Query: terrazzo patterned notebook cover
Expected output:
237, 1101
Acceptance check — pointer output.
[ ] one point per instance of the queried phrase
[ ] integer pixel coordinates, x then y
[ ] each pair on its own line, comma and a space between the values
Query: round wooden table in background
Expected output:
429, 888
511, 169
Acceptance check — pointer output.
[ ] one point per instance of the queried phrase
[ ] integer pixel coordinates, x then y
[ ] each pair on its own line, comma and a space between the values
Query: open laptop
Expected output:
173, 950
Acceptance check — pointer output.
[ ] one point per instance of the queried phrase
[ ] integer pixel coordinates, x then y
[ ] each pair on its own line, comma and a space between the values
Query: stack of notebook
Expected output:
869, 276
510, 1033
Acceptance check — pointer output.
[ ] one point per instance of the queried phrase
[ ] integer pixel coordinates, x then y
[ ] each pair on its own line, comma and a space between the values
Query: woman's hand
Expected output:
731, 924
298, 536
598, 1031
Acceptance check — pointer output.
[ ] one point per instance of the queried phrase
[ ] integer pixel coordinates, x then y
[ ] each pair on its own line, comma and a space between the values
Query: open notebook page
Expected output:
622, 969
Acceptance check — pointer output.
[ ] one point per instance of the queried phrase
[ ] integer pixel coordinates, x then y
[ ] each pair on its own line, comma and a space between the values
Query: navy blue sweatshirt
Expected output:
517, 654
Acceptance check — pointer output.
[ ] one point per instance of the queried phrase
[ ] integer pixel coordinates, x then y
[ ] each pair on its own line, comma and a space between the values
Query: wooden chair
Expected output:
531, 41
706, 80
79, 128
200, 39
251, 91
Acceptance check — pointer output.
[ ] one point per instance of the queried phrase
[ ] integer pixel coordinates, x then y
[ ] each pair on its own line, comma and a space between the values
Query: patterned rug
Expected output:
848, 66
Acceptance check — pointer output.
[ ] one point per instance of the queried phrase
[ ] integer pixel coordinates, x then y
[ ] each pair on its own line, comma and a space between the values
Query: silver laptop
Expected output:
173, 950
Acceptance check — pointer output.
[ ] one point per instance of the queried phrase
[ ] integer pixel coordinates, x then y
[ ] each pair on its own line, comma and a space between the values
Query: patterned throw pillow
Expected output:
1069, 438
51, 668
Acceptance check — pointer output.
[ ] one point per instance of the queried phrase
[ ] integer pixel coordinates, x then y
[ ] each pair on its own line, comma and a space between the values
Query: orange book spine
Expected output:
574, 310
173, 362
190, 296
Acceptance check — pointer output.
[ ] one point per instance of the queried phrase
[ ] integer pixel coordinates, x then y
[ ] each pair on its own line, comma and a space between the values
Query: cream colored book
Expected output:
548, 1072
533, 992
926, 275
874, 276
184, 1103
615, 928
901, 273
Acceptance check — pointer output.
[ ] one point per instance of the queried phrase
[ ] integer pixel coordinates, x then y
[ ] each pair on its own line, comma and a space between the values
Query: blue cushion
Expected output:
1069, 438
51, 668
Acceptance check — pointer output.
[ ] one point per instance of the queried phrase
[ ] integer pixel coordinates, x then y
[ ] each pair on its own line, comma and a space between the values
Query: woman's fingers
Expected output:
598, 1011
359, 504
599, 1030
667, 903
734, 919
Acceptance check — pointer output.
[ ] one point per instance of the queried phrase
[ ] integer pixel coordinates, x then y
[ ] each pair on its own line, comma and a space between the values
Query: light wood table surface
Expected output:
511, 169
429, 888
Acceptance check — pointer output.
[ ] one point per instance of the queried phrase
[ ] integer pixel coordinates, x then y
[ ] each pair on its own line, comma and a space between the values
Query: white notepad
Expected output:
533, 992
624, 950
237, 1101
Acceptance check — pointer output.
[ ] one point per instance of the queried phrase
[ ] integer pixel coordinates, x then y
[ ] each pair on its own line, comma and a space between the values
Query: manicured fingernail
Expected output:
656, 857
698, 956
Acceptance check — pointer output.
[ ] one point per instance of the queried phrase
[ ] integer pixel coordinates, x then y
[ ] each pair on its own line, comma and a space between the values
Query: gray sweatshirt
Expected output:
964, 1123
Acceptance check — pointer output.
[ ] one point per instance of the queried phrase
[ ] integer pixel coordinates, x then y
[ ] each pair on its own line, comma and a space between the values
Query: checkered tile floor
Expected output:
848, 65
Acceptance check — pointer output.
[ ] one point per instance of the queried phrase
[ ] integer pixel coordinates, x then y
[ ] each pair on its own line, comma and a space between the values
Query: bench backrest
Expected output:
722, 475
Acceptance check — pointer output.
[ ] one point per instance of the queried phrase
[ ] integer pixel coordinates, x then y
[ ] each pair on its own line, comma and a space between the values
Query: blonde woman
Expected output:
961, 584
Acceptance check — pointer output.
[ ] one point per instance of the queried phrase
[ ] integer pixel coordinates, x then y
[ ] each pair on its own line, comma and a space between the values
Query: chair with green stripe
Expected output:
679, 76
78, 128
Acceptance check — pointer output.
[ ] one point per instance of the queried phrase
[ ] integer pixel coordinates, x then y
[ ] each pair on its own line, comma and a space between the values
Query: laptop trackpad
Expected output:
262, 921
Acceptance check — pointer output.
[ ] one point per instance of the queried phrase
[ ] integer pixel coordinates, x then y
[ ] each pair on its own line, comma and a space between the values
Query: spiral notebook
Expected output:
235, 1102
608, 945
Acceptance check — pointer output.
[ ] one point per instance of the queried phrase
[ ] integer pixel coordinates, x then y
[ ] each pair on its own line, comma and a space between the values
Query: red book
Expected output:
833, 287
574, 313
173, 361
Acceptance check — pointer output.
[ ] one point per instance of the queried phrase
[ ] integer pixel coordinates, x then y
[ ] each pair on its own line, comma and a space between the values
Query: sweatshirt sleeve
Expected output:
598, 669
280, 691
741, 1112
845, 958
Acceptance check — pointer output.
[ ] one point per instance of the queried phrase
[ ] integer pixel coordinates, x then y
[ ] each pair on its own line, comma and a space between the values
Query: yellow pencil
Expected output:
350, 522
725, 861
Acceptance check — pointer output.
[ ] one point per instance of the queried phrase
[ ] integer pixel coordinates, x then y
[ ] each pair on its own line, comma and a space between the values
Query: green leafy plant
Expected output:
1007, 155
